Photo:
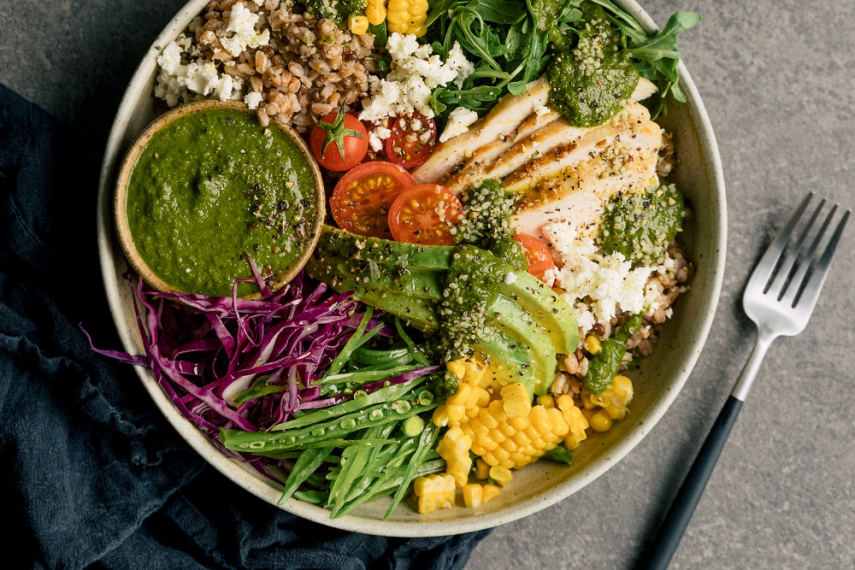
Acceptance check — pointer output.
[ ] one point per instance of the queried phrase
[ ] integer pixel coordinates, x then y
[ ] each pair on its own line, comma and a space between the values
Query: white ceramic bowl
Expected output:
539, 485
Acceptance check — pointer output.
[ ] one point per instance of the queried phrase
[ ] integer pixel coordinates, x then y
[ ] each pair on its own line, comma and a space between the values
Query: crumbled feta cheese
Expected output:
608, 280
242, 22
416, 71
178, 82
541, 110
458, 123
253, 99
377, 136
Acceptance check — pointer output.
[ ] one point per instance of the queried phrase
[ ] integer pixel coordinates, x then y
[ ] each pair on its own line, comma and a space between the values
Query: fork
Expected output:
779, 298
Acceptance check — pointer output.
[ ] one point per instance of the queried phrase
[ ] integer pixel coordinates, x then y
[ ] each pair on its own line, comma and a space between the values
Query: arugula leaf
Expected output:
498, 11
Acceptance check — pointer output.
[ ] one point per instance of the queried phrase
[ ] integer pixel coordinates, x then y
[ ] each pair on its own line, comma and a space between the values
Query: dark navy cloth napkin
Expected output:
92, 474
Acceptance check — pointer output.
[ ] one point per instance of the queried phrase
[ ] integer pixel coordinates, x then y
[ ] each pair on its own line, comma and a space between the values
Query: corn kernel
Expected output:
546, 401
515, 400
521, 439
472, 412
540, 420
357, 24
472, 495
538, 443
501, 454
601, 421
475, 369
427, 504
417, 20
394, 17
461, 396
483, 397
560, 427
490, 459
400, 28
507, 429
455, 412
477, 426
497, 436
482, 470
509, 445
489, 492
440, 416
531, 432
519, 423
501, 475
485, 441
418, 7
519, 457
508, 464
497, 411
422, 486
477, 449
375, 11
399, 5
593, 344
457, 368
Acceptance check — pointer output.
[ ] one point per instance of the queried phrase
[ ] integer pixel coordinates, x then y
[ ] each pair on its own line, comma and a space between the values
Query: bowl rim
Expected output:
120, 196
263, 489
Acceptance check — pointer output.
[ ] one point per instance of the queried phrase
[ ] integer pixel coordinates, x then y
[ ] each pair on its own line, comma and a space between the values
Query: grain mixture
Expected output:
280, 61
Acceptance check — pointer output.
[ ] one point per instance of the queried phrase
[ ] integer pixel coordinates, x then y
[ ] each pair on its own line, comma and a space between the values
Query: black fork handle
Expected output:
662, 549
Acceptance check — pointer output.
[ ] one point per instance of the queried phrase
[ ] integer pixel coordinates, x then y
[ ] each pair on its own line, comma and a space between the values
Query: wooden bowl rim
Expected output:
121, 193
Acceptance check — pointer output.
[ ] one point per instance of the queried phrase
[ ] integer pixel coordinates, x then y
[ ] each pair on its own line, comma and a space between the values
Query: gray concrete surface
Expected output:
777, 81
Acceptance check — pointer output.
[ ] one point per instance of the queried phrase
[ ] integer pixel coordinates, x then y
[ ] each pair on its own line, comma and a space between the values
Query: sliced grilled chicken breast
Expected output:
603, 163
502, 121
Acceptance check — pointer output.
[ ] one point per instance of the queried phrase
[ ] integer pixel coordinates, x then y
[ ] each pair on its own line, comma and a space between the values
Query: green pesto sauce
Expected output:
592, 81
486, 222
641, 225
212, 187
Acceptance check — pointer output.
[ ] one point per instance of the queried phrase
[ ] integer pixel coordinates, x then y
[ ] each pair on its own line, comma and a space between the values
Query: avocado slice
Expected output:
504, 314
336, 243
510, 361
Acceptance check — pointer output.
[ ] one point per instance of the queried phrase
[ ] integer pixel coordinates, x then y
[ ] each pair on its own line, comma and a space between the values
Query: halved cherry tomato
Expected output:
424, 214
339, 141
536, 255
412, 140
361, 200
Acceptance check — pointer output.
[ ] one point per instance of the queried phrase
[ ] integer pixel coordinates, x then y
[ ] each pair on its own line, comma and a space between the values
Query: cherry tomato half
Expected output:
361, 200
424, 214
412, 140
536, 255
339, 141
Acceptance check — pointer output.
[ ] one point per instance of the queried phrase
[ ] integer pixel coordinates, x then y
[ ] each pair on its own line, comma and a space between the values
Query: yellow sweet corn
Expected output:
482, 470
500, 475
593, 344
489, 492
357, 24
457, 368
615, 398
576, 422
546, 401
473, 495
434, 491
601, 421
454, 448
375, 11
515, 400
407, 16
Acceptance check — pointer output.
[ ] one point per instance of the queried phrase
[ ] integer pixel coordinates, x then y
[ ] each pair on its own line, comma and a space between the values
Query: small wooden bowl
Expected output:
121, 193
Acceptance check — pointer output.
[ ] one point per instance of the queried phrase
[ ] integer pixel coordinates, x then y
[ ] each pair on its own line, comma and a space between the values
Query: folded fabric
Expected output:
93, 474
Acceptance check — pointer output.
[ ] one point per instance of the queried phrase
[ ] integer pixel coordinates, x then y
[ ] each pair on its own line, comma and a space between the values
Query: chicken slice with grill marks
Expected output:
620, 158
502, 121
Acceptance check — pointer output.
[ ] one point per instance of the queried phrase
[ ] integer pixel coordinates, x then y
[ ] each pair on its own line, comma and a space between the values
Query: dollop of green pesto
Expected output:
213, 187
591, 76
642, 225
335, 10
486, 222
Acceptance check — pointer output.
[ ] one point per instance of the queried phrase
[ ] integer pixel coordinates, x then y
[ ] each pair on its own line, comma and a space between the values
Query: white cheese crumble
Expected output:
541, 110
253, 99
609, 281
510, 278
376, 137
178, 82
458, 123
416, 71
242, 22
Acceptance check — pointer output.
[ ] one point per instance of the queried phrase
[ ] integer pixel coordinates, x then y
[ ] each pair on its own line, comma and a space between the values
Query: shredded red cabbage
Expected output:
204, 351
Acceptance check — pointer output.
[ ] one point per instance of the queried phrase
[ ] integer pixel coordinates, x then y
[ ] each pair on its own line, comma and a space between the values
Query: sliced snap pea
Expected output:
312, 497
364, 377
253, 442
352, 344
415, 350
372, 357
356, 460
306, 464
386, 394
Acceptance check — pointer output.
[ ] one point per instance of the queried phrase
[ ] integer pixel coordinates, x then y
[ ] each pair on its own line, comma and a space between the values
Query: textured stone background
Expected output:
777, 81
